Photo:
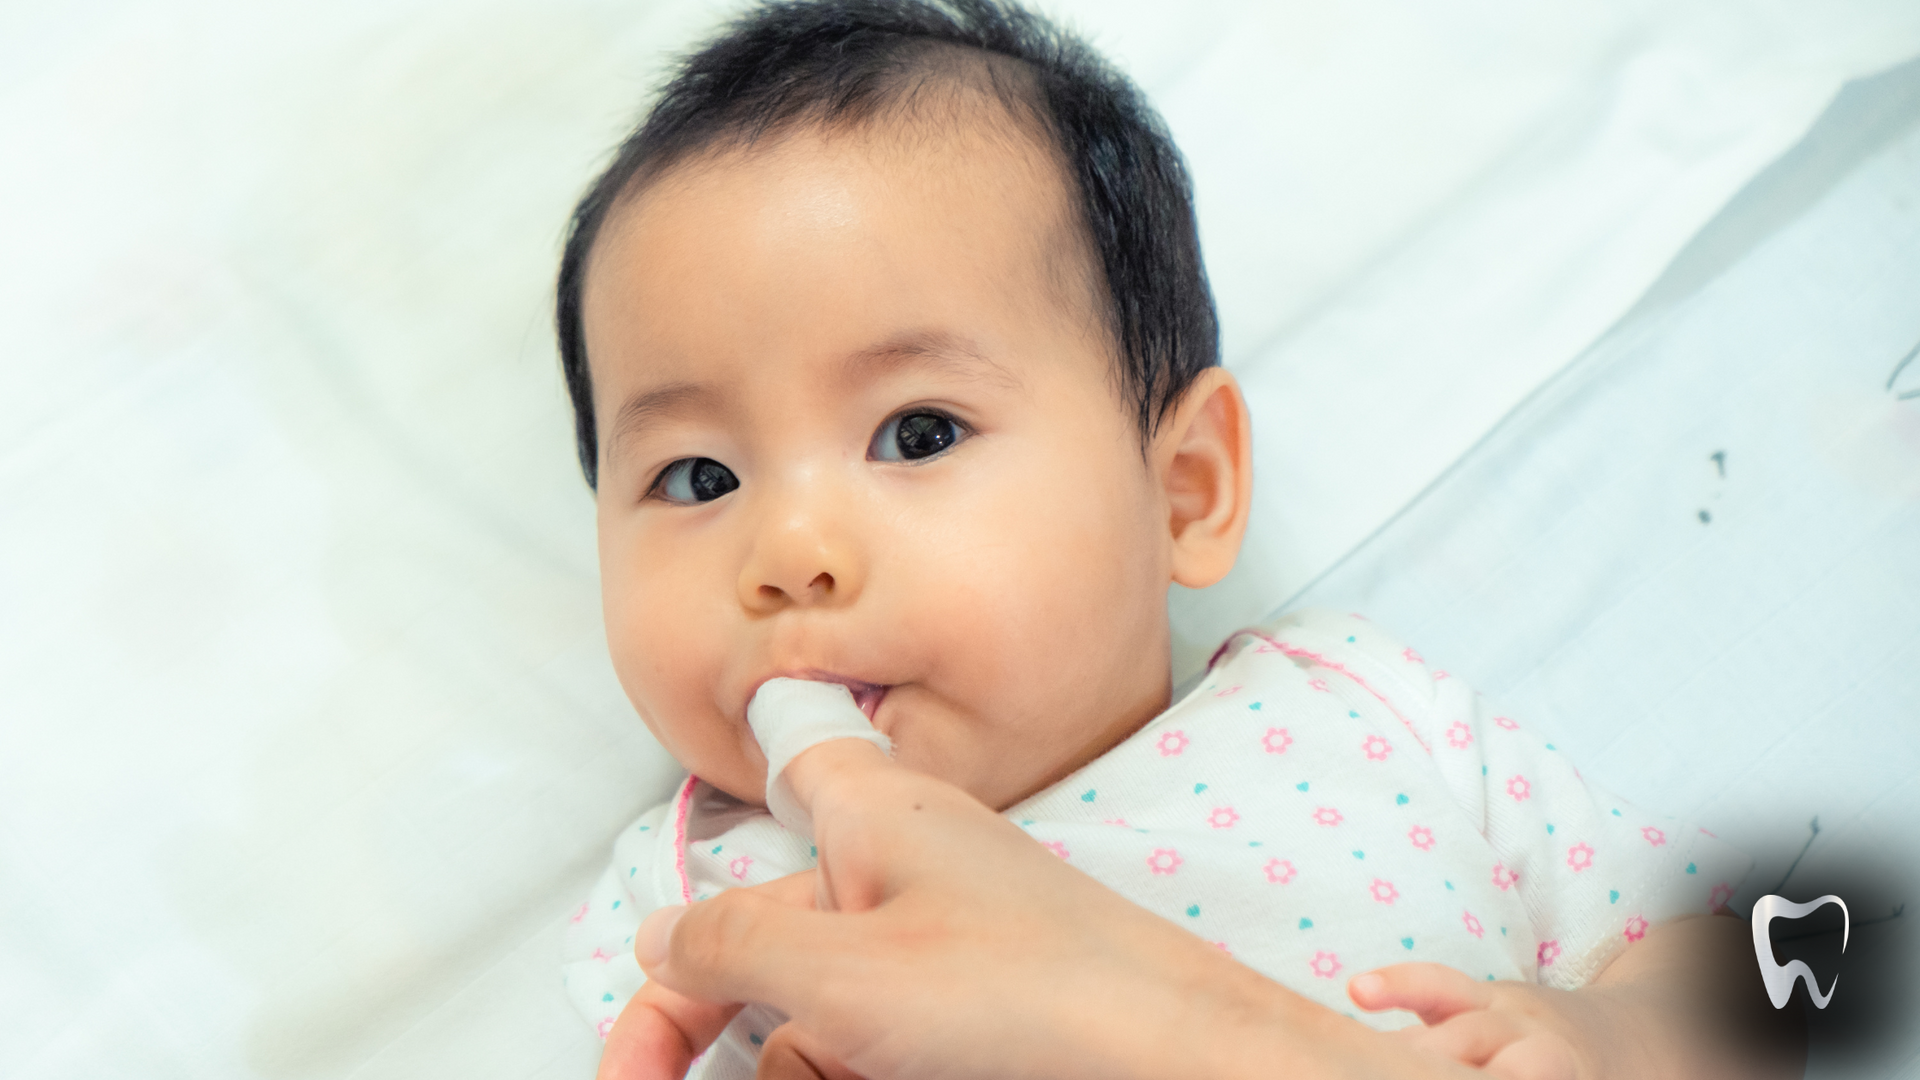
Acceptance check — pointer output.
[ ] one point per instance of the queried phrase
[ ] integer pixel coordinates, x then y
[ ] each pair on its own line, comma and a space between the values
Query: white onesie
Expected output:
1321, 804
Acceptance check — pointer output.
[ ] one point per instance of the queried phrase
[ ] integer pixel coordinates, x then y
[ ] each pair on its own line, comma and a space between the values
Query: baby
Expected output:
895, 366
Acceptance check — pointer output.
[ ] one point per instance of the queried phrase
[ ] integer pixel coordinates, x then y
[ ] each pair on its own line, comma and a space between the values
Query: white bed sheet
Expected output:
307, 735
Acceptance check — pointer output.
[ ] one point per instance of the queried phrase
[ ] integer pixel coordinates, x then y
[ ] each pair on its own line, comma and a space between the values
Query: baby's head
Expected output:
893, 363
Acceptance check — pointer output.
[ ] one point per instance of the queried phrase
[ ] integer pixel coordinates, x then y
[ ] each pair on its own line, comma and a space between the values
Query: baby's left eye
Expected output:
915, 435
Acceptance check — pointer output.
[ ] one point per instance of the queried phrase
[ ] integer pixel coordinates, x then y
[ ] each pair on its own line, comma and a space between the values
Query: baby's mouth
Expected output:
866, 695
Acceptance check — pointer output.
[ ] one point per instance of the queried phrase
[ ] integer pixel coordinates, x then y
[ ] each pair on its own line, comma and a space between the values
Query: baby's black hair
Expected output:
834, 62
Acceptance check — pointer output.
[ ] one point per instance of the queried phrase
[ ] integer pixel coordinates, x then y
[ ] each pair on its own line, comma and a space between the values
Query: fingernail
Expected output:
650, 943
1370, 985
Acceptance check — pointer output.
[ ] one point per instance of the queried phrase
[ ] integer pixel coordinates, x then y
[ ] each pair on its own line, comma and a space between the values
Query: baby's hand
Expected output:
1513, 1030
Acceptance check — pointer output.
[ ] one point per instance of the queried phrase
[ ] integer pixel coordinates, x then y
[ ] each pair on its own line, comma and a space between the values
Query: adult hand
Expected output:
938, 940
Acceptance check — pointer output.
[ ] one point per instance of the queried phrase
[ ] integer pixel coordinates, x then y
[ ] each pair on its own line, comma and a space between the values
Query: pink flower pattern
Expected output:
1164, 861
1722, 893
1422, 837
1056, 847
1504, 878
1383, 891
1519, 788
1549, 951
739, 867
1223, 817
1318, 684
1276, 740
1280, 871
605, 1025
1472, 924
1412, 657
1506, 723
1327, 815
1636, 928
1376, 748
1459, 735
1654, 836
1172, 743
1229, 691
578, 914
1325, 965
1580, 856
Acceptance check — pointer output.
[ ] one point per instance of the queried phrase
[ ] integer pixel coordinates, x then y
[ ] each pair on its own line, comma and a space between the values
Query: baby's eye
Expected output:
915, 435
695, 480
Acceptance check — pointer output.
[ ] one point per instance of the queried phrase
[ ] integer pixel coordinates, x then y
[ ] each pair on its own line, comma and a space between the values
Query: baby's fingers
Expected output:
791, 1055
659, 1033
1471, 1038
1434, 992
1539, 1056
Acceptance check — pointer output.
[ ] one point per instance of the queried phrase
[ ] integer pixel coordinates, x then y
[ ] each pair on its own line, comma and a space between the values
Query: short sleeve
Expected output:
1593, 872
598, 966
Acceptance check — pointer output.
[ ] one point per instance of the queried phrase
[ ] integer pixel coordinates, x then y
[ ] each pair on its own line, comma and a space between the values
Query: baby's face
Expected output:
858, 423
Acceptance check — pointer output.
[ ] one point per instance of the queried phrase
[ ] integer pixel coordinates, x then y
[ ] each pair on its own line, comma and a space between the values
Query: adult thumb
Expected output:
763, 944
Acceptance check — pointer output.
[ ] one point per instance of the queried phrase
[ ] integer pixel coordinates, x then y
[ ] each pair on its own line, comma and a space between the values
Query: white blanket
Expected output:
1694, 557
307, 734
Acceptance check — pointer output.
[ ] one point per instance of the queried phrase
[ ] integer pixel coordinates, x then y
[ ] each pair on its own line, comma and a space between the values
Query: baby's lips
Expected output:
866, 695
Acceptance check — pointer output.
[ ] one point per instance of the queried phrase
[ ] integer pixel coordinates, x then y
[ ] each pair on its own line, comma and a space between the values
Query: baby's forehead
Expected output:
969, 190
939, 142
834, 264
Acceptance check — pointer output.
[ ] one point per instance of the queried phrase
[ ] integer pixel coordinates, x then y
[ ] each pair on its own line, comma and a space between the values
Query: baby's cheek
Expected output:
665, 659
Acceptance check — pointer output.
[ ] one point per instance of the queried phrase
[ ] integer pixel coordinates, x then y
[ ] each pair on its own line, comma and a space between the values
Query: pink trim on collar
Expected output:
1293, 650
682, 804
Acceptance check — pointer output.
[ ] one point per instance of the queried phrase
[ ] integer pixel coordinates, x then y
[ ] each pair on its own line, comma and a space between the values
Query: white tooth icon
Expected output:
1779, 978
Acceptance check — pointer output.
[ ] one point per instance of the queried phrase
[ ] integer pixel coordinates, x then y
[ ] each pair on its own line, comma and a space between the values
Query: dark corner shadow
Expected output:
1870, 975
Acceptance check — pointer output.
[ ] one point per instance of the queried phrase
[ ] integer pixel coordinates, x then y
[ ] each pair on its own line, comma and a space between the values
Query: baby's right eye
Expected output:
695, 480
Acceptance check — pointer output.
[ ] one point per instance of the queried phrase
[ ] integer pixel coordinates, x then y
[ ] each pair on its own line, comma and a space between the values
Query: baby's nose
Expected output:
798, 563
820, 588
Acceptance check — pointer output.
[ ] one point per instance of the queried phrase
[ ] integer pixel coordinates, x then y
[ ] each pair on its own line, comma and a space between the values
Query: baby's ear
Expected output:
1204, 460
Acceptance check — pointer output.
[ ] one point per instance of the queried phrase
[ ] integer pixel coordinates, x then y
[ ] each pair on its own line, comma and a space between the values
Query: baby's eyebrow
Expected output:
658, 402
938, 349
